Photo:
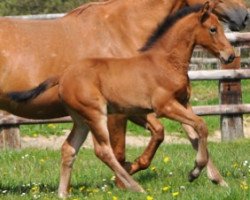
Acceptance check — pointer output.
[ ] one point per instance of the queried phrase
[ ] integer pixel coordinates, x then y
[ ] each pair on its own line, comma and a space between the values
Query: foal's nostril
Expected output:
231, 58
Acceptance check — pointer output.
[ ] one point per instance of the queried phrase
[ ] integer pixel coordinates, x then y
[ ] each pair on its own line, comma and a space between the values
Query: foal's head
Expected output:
210, 35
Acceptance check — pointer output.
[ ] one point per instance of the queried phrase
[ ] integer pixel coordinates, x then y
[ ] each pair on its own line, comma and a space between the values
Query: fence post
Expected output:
9, 135
230, 93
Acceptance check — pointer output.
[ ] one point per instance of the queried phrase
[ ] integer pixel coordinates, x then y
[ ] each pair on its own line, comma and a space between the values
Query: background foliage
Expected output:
27, 7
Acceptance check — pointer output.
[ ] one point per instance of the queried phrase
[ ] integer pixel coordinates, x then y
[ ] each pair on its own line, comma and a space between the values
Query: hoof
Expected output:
127, 166
192, 177
221, 183
63, 195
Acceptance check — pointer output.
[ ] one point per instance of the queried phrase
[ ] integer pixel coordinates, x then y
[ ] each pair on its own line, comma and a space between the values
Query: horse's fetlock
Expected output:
159, 136
143, 163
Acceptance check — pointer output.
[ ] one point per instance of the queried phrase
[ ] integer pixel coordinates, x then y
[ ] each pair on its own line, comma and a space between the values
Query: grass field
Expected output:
33, 174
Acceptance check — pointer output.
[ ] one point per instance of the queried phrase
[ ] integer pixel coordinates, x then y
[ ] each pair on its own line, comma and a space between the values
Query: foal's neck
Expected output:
178, 43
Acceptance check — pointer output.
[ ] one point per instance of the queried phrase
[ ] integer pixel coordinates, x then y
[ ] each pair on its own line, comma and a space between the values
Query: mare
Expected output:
154, 81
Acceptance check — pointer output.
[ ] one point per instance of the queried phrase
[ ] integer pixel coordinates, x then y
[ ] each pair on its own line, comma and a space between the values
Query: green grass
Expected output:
33, 174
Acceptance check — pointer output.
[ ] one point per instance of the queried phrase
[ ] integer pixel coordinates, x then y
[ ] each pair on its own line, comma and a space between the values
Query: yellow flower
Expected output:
175, 194
235, 165
114, 198
150, 198
243, 185
228, 173
82, 188
35, 189
95, 190
166, 159
153, 168
52, 126
166, 188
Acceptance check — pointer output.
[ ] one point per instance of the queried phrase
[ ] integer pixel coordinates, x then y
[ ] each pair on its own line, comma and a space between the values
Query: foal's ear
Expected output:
205, 12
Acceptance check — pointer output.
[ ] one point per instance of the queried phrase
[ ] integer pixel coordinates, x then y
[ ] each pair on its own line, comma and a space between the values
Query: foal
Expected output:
155, 81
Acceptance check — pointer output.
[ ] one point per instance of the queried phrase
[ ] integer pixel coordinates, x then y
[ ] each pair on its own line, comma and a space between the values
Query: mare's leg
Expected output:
157, 131
117, 130
213, 173
69, 151
103, 150
117, 134
174, 110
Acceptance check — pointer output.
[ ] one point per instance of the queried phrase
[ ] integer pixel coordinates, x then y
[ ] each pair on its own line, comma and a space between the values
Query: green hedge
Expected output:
26, 7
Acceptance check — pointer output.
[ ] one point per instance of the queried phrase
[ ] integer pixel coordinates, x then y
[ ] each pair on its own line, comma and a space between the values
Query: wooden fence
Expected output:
230, 109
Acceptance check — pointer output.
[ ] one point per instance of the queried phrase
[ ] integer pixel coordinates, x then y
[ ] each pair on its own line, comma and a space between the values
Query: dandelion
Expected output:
82, 188
229, 173
243, 185
166, 159
149, 198
112, 178
114, 198
35, 189
52, 126
153, 169
175, 194
95, 190
166, 188
235, 165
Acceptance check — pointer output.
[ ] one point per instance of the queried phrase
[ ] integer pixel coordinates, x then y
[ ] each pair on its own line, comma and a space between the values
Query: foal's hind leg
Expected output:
213, 173
103, 150
157, 131
174, 110
69, 151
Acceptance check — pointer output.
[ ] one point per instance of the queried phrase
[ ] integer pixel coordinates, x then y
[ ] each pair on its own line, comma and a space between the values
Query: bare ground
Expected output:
55, 142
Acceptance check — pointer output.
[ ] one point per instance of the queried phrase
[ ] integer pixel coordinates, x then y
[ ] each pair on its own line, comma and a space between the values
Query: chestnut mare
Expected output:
154, 81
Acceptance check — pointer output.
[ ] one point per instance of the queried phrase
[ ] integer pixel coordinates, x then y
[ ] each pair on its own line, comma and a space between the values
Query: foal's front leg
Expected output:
213, 173
176, 111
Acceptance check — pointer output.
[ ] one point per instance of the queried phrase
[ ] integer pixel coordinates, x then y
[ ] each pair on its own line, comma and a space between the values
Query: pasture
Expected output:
34, 174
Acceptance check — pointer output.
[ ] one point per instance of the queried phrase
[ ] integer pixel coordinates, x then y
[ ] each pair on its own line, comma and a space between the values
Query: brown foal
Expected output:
154, 81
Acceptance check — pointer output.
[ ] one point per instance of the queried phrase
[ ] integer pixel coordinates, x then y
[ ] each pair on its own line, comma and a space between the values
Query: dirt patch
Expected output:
55, 142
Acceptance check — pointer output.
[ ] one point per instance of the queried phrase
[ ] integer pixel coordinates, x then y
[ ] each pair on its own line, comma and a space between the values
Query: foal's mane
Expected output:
167, 23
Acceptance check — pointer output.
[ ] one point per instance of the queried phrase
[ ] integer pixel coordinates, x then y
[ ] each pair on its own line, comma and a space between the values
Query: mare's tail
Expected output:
27, 95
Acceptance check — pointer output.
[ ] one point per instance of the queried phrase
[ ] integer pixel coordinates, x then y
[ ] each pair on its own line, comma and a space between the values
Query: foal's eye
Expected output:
213, 30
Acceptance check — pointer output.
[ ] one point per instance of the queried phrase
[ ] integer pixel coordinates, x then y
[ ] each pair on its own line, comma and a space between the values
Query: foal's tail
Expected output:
27, 95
